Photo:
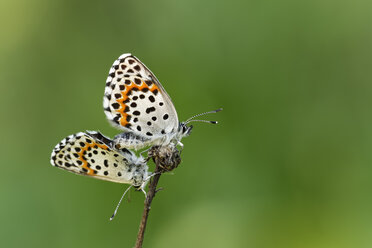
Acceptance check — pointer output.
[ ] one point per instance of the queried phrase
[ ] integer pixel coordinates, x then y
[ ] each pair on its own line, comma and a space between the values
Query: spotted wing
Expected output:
136, 102
90, 154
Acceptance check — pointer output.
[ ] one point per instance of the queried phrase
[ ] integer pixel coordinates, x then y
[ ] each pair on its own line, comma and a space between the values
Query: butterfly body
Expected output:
132, 141
92, 154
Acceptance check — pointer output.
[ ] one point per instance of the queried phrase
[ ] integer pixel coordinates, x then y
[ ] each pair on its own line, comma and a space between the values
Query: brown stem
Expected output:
150, 195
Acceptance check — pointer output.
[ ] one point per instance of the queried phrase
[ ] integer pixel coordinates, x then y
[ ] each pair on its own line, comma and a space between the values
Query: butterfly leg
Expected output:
181, 145
149, 177
145, 182
142, 187
144, 151
143, 190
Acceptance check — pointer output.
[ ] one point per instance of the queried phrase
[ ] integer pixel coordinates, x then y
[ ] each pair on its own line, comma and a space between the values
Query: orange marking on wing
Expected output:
85, 163
124, 93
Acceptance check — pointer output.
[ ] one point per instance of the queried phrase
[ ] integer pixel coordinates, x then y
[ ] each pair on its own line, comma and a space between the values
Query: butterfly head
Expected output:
184, 130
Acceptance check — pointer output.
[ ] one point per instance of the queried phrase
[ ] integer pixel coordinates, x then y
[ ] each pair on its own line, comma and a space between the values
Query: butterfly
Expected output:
136, 103
92, 154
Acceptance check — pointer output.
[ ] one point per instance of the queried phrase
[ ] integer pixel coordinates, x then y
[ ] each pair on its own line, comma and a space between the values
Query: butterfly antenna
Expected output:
205, 113
116, 209
212, 122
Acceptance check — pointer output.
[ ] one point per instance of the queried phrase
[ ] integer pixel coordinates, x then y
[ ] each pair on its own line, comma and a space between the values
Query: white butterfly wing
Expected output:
90, 154
136, 102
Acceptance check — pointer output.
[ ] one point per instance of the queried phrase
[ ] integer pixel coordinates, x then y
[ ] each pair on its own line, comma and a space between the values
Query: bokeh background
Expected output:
289, 165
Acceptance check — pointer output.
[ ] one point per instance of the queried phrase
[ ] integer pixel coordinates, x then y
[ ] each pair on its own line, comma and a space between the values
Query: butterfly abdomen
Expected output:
130, 141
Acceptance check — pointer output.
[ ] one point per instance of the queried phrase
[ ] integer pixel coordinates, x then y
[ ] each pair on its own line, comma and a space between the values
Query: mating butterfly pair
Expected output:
136, 103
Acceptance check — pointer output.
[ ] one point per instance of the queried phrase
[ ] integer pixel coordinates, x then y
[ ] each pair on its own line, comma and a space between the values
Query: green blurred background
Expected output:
289, 165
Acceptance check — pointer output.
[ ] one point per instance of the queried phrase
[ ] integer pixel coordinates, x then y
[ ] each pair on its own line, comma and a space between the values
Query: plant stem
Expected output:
150, 195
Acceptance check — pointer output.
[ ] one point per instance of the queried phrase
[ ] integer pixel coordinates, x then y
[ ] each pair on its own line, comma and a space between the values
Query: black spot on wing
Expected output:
138, 81
149, 110
125, 150
148, 82
115, 105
